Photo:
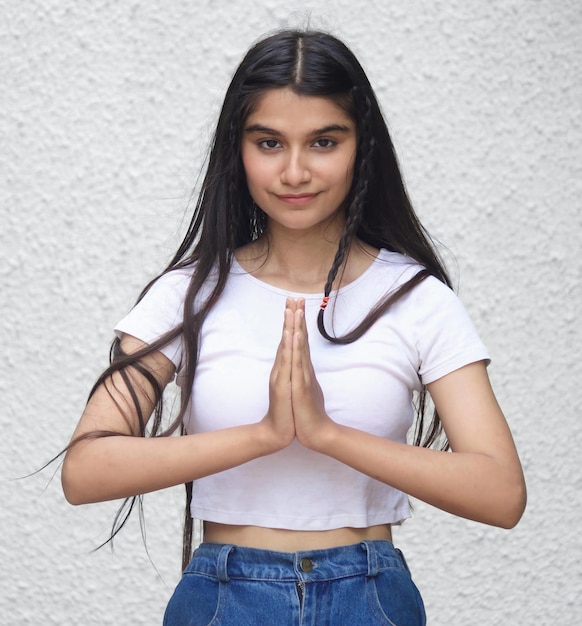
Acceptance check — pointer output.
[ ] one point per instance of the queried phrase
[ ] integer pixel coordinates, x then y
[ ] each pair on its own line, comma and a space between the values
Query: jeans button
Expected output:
307, 565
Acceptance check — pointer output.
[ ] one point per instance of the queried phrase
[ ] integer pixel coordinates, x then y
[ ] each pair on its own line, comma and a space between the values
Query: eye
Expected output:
324, 142
269, 144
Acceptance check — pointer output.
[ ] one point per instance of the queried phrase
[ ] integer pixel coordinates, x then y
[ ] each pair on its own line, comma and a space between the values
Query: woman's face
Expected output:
298, 153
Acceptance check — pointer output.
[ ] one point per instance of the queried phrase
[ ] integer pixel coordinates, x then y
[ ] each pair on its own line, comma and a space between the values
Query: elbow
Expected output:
70, 490
515, 503
74, 489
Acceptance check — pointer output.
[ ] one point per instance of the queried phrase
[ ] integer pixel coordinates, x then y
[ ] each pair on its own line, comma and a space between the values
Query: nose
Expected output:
296, 170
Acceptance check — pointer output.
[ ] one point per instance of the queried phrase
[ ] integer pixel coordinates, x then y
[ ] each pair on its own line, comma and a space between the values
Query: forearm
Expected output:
471, 485
114, 467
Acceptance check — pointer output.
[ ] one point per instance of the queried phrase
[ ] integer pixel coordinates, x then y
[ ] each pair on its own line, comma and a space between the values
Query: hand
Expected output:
311, 421
278, 422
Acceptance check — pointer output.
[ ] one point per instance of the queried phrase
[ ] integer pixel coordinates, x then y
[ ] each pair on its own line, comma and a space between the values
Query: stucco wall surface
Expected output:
106, 109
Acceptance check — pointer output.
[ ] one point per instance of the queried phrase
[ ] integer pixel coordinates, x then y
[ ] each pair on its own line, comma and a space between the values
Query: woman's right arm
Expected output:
119, 466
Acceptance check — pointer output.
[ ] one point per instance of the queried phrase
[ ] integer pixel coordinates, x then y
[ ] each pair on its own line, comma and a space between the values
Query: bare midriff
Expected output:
292, 540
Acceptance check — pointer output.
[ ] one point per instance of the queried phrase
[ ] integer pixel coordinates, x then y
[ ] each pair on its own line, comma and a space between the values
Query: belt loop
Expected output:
372, 557
222, 563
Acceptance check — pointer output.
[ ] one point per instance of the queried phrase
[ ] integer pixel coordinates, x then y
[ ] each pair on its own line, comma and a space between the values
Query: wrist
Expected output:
323, 439
271, 440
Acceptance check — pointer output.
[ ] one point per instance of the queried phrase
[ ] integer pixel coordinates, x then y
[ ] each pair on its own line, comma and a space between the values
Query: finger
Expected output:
302, 369
301, 313
301, 327
283, 354
290, 309
286, 345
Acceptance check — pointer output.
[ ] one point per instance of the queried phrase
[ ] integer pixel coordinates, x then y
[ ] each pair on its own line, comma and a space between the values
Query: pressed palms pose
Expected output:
305, 317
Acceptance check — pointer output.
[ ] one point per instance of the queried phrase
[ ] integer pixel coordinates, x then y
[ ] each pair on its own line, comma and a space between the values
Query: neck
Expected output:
308, 254
297, 260
302, 255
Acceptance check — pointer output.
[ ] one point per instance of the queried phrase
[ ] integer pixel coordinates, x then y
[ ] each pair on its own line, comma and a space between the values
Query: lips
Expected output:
299, 198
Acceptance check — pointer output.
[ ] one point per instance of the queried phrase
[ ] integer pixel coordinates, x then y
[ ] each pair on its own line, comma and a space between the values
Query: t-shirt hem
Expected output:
171, 351
468, 357
396, 516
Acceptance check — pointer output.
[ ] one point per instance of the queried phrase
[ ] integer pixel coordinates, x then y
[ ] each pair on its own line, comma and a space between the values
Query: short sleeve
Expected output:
445, 336
159, 311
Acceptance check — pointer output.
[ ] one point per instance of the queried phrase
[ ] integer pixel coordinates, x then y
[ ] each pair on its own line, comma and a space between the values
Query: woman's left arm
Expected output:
481, 479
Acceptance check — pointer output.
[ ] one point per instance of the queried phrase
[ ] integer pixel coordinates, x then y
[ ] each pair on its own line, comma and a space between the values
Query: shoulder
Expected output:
395, 269
171, 286
430, 303
164, 296
391, 270
173, 279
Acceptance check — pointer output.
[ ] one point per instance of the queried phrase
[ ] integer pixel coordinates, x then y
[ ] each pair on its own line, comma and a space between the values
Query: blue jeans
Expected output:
359, 585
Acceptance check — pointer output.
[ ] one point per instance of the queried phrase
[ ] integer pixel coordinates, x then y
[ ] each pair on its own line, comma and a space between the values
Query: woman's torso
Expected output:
285, 540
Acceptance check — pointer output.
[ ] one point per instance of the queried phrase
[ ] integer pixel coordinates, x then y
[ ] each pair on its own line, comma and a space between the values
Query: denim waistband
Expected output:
226, 561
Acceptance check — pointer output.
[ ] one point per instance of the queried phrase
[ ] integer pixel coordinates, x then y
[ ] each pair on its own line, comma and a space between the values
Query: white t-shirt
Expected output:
367, 384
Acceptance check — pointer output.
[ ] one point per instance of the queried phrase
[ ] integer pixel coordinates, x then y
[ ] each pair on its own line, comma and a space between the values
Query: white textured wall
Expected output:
105, 112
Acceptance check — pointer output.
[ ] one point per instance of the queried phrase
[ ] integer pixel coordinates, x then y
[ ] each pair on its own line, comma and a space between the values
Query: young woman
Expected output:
302, 314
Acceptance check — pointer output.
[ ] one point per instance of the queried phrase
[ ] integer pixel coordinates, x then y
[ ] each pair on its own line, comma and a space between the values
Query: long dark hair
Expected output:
378, 211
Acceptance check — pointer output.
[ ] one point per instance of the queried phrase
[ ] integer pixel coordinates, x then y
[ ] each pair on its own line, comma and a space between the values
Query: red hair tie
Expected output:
324, 303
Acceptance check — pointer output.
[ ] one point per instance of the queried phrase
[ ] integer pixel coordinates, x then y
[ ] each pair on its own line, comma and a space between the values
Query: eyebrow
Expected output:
330, 128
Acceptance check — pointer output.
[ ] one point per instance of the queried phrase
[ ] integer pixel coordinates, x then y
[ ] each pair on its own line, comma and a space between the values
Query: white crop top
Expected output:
367, 384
